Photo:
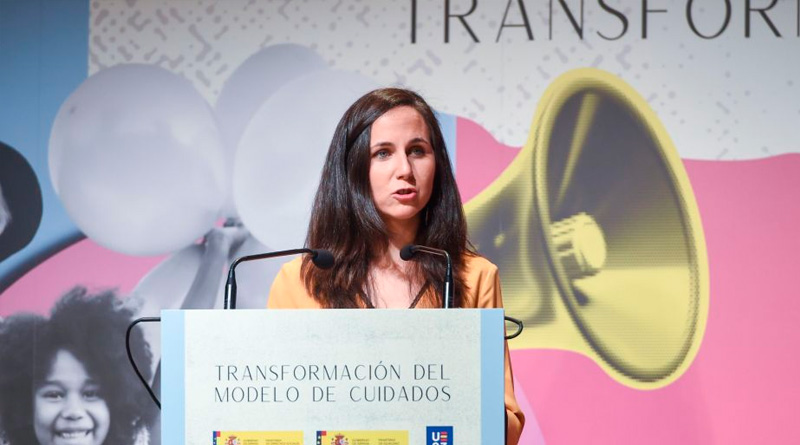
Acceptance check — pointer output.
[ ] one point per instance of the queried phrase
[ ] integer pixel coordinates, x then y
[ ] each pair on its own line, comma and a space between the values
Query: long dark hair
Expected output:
345, 220
92, 329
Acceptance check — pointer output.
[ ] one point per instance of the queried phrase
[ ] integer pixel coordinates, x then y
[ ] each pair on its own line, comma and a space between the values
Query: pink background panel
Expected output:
742, 386
83, 263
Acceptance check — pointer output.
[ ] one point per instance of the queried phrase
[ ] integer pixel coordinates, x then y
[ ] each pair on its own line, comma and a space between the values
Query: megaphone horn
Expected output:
596, 231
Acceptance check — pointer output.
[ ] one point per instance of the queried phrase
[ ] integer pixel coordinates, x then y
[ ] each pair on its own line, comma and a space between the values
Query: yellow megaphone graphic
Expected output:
597, 234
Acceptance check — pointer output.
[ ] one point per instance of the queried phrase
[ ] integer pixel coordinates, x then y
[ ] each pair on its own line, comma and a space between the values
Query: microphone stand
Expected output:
448, 275
321, 258
407, 252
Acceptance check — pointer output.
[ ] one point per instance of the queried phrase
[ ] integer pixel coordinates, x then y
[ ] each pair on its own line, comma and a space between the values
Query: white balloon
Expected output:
253, 82
136, 158
282, 150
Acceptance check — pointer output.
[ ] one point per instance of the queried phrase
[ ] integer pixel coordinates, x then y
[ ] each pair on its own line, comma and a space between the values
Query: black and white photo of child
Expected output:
65, 379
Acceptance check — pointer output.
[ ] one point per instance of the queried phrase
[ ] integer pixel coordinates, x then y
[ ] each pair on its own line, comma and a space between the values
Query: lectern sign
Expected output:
332, 377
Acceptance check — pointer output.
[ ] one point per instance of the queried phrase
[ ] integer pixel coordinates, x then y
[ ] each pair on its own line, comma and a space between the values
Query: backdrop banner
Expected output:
631, 166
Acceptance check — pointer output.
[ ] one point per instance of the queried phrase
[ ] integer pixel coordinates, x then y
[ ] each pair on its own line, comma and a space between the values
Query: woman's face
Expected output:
402, 165
68, 407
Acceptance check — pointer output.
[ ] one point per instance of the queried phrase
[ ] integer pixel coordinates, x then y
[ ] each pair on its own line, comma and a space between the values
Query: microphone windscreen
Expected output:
322, 258
407, 252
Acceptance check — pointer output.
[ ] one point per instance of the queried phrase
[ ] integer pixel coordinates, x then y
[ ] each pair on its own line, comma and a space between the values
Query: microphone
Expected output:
408, 252
320, 257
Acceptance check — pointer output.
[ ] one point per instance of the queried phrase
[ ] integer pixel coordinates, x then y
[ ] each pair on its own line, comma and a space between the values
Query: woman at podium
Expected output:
387, 183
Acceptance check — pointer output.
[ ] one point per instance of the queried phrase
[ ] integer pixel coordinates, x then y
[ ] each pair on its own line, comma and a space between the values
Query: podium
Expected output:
331, 377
